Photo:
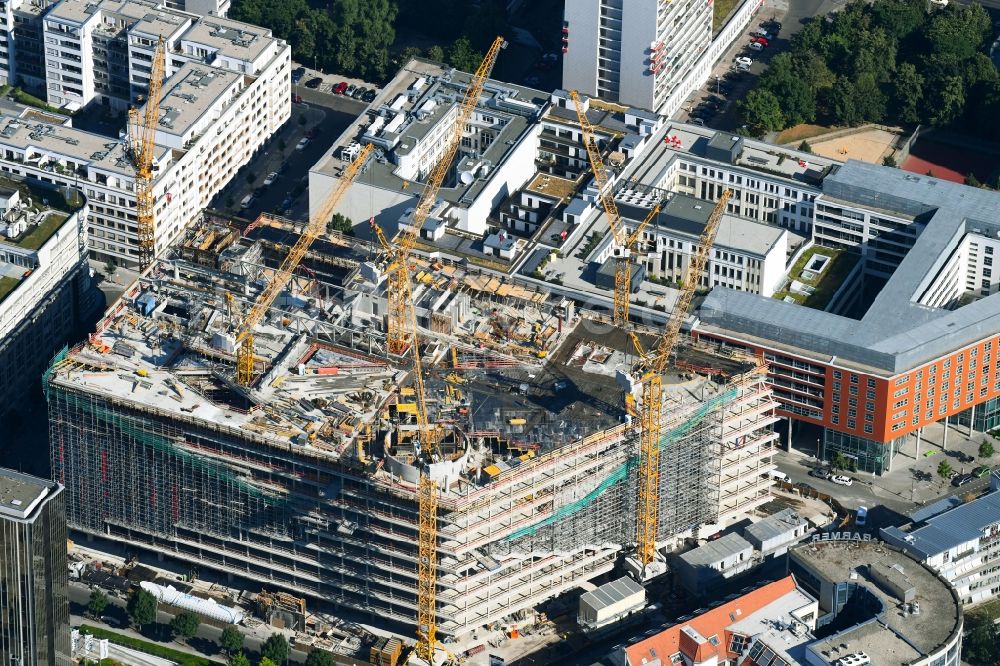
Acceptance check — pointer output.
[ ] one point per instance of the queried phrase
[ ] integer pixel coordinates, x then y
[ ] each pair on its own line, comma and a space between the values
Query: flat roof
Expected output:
191, 92
775, 525
21, 493
235, 39
713, 552
940, 610
612, 593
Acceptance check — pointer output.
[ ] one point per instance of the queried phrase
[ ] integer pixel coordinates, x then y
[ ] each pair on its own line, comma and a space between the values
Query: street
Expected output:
205, 641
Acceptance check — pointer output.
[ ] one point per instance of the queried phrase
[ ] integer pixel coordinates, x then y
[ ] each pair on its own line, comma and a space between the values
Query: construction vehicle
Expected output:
245, 359
623, 242
649, 374
142, 138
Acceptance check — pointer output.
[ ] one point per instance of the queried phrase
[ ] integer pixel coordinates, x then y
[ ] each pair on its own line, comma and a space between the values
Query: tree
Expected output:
264, 661
844, 109
320, 658
141, 608
435, 53
971, 180
238, 659
251, 177
98, 602
805, 147
986, 450
982, 645
870, 102
340, 223
761, 112
839, 461
231, 639
945, 100
110, 267
907, 93
275, 648
889, 161
185, 624
944, 470
462, 57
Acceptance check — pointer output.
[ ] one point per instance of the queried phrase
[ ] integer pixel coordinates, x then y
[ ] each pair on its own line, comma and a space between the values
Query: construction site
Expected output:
418, 441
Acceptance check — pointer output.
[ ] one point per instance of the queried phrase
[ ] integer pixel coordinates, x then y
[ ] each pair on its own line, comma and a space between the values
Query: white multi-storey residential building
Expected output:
959, 539
635, 51
226, 92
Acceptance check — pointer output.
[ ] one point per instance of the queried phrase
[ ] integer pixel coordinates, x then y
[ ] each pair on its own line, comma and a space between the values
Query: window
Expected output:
868, 428
852, 424
836, 374
871, 383
854, 379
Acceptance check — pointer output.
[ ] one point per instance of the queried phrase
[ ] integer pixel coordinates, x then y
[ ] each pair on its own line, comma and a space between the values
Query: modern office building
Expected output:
961, 540
34, 578
877, 605
226, 93
636, 52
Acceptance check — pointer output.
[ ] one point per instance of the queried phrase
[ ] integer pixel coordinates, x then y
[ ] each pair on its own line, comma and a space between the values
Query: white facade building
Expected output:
638, 52
959, 540
227, 92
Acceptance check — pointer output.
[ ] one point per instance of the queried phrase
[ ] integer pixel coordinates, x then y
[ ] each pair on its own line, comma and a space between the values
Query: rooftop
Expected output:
20, 494
190, 93
237, 40
949, 529
940, 615
612, 593
775, 525
713, 552
896, 333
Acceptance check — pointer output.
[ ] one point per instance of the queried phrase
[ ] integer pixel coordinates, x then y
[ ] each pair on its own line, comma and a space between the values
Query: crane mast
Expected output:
244, 340
142, 139
651, 367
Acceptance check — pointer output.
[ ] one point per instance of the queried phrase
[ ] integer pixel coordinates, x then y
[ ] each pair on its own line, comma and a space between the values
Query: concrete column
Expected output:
944, 442
972, 419
919, 432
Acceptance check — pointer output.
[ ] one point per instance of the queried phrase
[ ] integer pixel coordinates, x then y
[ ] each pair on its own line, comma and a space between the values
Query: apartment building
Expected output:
34, 579
226, 92
45, 287
637, 52
960, 540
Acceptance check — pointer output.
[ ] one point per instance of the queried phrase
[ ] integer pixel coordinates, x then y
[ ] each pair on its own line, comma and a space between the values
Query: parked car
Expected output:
760, 32
962, 479
349, 90
303, 142
340, 88
743, 60
298, 73
370, 95
981, 471
755, 46
760, 40
359, 93
271, 177
314, 82
841, 480
820, 473
246, 201
296, 99
698, 121
861, 517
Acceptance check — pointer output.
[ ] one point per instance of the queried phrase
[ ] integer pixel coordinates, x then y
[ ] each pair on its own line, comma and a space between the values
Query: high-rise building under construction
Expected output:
307, 480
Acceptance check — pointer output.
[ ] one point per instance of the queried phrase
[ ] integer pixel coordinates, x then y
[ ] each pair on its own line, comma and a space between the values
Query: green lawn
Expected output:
43, 231
720, 10
7, 285
155, 649
826, 283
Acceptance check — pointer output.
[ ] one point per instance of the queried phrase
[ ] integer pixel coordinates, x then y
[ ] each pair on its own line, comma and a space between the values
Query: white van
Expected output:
778, 476
247, 200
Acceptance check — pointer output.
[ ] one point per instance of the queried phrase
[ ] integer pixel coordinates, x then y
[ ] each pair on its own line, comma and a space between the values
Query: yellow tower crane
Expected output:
650, 370
401, 335
244, 340
399, 295
142, 138
623, 242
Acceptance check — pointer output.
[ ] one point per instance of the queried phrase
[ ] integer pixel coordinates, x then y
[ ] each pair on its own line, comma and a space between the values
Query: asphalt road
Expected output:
204, 643
327, 116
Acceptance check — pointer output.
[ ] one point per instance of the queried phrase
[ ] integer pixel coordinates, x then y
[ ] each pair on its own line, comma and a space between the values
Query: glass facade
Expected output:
34, 586
985, 418
867, 454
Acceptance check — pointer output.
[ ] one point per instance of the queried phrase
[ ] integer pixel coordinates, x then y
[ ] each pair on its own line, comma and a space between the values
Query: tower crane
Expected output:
402, 336
649, 374
142, 137
244, 340
623, 243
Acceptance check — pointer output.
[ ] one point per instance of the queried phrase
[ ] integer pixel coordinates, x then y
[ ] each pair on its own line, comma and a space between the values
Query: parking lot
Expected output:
320, 118
304, 78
